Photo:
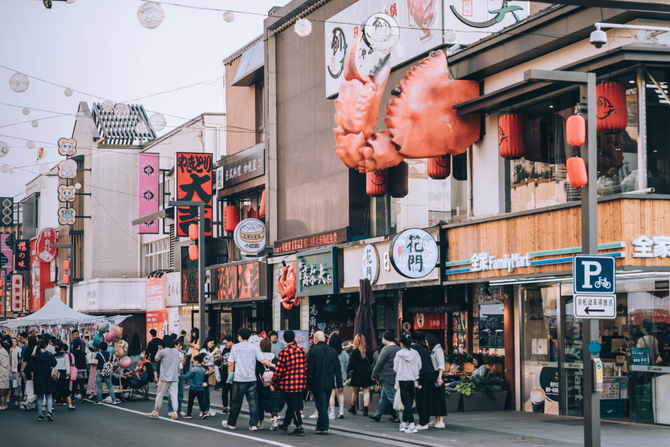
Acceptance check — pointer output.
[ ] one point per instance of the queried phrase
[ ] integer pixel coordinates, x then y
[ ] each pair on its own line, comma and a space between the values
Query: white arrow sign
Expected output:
595, 307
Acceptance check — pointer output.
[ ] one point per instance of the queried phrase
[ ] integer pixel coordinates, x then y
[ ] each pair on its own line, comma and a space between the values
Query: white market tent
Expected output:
55, 312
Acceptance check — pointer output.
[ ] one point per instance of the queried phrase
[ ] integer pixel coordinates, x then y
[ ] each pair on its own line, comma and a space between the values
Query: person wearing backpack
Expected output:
103, 373
42, 364
268, 400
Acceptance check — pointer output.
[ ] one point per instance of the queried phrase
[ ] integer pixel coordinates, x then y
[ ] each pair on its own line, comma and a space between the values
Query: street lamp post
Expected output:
587, 95
71, 258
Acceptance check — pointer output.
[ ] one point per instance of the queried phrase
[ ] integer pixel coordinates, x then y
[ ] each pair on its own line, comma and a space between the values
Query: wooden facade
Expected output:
620, 220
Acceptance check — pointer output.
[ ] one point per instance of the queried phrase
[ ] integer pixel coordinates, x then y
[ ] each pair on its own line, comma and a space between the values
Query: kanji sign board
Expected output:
594, 307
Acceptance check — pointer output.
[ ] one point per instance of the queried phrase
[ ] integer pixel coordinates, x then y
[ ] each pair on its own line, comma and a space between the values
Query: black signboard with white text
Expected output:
243, 166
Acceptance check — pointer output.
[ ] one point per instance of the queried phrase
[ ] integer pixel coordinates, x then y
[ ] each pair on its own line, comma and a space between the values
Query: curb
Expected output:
308, 423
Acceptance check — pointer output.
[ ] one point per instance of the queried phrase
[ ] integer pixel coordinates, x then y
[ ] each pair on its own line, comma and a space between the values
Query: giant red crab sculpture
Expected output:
422, 13
421, 121
286, 286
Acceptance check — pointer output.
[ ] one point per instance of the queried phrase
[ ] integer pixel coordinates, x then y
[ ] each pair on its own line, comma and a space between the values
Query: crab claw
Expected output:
348, 148
380, 153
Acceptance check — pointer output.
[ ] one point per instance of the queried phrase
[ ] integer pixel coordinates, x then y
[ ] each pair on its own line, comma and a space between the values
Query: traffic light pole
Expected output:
71, 258
587, 97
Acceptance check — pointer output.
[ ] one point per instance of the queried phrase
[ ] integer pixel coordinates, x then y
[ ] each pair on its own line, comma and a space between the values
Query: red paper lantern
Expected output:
193, 232
193, 252
251, 214
398, 180
439, 168
376, 183
575, 128
261, 209
611, 107
510, 136
66, 265
577, 172
66, 279
231, 217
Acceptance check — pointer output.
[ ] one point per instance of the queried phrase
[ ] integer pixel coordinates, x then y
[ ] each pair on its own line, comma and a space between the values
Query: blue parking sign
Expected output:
594, 275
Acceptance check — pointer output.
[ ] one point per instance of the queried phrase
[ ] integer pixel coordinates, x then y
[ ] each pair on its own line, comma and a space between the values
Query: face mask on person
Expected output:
383, 341
142, 356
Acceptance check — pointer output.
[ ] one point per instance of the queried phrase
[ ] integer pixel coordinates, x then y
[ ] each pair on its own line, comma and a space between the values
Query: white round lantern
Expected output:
4, 148
228, 16
35, 123
157, 122
25, 111
19, 82
77, 186
150, 15
11, 170
141, 128
4, 169
303, 27
68, 92
107, 106
449, 35
121, 111
30, 144
70, 2
383, 40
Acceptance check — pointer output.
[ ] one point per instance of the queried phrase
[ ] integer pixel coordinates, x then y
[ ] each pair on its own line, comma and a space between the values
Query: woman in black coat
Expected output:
360, 368
41, 365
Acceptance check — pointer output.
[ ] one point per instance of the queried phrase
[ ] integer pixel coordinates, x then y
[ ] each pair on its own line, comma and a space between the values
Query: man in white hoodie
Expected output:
406, 365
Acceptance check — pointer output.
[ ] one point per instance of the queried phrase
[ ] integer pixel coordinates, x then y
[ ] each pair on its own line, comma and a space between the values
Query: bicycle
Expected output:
603, 282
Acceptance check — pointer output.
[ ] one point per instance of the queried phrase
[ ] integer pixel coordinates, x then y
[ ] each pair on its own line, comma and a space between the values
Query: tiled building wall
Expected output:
240, 113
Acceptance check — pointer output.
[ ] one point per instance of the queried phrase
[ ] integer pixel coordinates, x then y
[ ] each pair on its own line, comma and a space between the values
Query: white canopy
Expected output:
56, 312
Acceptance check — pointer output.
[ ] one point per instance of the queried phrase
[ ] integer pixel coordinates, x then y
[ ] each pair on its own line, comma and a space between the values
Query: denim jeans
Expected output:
108, 381
386, 398
241, 389
321, 399
180, 398
40, 399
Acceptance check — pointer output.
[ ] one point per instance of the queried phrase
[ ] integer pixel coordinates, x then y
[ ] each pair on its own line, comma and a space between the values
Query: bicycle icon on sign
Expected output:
603, 282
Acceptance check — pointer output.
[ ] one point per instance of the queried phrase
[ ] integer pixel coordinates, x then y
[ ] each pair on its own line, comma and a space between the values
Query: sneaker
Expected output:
252, 428
274, 426
260, 426
182, 414
331, 415
225, 410
314, 416
341, 416
403, 426
432, 423
211, 412
229, 427
278, 416
439, 425
411, 428
98, 402
320, 432
422, 427
204, 415
297, 432
71, 408
40, 418
116, 402
188, 416
375, 418
49, 417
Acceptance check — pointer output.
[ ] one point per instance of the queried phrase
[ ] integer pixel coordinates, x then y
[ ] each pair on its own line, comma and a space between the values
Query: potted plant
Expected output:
453, 399
483, 394
468, 366
495, 363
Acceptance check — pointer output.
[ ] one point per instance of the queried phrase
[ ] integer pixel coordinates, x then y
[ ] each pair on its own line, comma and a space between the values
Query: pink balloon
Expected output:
125, 362
109, 336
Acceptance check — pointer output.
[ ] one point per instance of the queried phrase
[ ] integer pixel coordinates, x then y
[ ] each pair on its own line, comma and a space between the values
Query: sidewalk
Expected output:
490, 428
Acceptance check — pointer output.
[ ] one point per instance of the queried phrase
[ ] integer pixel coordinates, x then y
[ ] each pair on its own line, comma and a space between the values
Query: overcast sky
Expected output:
99, 47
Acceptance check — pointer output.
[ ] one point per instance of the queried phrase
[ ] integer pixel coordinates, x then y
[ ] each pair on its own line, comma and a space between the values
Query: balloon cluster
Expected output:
112, 335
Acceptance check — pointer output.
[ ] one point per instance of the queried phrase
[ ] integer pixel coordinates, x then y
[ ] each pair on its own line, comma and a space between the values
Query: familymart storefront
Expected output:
529, 257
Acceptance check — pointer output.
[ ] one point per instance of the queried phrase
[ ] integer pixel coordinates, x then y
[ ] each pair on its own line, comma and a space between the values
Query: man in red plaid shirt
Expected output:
290, 378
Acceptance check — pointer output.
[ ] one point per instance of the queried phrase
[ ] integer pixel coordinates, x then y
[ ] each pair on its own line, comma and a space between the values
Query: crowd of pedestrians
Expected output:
40, 371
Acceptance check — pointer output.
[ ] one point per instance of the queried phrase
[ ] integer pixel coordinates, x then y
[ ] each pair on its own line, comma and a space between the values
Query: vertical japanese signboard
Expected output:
194, 183
148, 191
189, 278
22, 260
17, 293
6, 251
156, 313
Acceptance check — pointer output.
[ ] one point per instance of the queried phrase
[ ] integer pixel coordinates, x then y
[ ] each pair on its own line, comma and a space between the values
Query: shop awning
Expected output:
55, 312
602, 64
250, 70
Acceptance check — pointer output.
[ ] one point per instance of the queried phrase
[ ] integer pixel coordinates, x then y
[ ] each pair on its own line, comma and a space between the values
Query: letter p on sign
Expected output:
594, 275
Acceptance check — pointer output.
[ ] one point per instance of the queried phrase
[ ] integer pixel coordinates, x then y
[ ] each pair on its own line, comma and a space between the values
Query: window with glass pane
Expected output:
156, 256
658, 130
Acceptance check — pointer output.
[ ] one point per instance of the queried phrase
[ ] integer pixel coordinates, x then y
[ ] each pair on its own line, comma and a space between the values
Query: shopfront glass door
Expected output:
572, 361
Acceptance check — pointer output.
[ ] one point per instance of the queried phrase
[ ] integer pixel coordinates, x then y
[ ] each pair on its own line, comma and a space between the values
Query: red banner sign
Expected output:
46, 238
148, 191
156, 313
17, 293
312, 241
194, 183
239, 282
429, 321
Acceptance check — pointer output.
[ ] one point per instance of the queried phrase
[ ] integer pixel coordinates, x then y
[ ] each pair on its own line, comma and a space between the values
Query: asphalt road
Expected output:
127, 425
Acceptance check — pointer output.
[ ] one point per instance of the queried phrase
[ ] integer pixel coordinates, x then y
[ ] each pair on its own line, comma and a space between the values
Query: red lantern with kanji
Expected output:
261, 209
193, 252
66, 265
231, 217
510, 136
193, 232
376, 183
577, 172
251, 214
611, 107
575, 128
66, 279
439, 168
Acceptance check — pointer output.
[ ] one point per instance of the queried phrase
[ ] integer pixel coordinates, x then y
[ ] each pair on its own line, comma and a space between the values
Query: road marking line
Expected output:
225, 432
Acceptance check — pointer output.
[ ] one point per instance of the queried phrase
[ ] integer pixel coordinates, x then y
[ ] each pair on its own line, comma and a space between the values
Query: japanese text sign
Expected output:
155, 299
312, 241
46, 238
654, 247
148, 191
414, 253
429, 321
194, 183
317, 272
239, 282
22, 259
240, 167
189, 278
17, 293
